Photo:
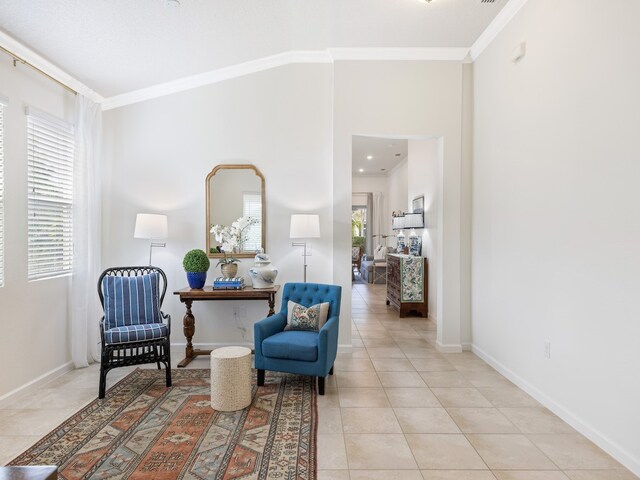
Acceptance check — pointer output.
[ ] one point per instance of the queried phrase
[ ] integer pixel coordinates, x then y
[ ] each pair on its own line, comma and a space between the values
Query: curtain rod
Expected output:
17, 58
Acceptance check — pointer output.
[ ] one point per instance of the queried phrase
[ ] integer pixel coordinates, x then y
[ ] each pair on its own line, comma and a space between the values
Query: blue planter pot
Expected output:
196, 279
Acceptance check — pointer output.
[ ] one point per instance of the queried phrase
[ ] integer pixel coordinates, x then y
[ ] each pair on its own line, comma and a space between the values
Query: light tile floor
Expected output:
395, 409
398, 409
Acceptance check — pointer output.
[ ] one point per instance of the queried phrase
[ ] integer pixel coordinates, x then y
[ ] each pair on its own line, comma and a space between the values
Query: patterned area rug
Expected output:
142, 430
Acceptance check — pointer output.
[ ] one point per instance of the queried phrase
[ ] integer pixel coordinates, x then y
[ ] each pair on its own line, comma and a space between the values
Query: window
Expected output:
50, 192
252, 207
3, 103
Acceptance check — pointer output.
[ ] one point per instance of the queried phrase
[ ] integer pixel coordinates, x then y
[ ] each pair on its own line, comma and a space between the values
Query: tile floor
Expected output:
398, 409
395, 409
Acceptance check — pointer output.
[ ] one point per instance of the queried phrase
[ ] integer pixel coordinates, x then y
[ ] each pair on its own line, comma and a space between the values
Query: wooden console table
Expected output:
188, 296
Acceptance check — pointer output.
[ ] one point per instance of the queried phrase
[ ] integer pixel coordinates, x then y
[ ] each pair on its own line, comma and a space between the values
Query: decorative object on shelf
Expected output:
397, 221
413, 220
401, 241
228, 283
196, 263
263, 274
415, 244
152, 227
417, 205
231, 191
304, 226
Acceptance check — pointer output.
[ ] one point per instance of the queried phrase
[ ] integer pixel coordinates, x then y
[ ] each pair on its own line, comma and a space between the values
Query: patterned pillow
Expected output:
310, 318
131, 300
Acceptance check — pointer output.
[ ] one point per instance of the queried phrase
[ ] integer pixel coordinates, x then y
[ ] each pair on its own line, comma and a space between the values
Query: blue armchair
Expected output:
301, 352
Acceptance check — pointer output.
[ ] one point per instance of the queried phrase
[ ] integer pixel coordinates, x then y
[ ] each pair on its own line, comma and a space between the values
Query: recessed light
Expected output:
361, 170
369, 157
173, 3
390, 145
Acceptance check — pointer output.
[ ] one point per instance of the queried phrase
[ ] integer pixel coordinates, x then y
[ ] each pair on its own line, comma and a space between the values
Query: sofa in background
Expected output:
367, 263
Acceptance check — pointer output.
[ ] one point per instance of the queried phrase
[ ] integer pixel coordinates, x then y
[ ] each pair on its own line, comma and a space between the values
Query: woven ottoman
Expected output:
230, 378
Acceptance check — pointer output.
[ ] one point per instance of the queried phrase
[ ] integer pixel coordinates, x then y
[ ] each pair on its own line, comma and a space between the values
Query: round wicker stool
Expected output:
230, 378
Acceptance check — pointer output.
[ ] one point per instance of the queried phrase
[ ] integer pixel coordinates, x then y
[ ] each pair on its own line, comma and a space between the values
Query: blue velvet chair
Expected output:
301, 352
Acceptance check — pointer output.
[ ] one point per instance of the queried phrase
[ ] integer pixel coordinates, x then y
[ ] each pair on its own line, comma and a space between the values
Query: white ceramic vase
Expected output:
263, 274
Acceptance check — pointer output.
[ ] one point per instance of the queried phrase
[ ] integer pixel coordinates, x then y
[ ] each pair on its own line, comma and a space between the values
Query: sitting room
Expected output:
182, 182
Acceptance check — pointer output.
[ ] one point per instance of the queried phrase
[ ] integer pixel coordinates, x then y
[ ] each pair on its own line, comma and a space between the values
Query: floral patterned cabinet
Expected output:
407, 282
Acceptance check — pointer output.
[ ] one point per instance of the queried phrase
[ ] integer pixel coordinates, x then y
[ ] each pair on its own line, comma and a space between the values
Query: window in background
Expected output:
50, 147
3, 103
252, 207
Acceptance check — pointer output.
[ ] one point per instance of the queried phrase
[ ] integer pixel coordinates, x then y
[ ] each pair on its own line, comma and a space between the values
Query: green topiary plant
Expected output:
196, 261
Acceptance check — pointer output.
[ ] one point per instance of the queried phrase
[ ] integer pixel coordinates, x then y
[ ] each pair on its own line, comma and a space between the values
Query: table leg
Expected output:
272, 304
189, 328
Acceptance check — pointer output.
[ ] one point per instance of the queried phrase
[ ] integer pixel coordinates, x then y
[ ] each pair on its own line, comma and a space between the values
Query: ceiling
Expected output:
386, 154
117, 46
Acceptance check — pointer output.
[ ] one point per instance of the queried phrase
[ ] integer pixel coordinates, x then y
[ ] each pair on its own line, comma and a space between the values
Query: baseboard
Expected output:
467, 347
448, 348
213, 346
344, 348
617, 452
37, 382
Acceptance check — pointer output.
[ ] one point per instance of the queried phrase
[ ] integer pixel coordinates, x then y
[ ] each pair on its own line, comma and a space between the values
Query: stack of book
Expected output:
228, 283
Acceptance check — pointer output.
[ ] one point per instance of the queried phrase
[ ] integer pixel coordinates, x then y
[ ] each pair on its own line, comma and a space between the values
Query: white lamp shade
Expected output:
149, 225
304, 226
413, 220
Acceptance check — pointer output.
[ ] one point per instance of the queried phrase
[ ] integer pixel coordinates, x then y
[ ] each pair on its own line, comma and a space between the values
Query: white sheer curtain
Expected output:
83, 301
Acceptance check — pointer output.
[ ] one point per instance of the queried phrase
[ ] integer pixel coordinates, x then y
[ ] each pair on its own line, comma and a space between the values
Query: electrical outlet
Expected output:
547, 348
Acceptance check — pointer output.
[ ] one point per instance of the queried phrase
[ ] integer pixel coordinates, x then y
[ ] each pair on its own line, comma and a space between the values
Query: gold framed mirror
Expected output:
235, 191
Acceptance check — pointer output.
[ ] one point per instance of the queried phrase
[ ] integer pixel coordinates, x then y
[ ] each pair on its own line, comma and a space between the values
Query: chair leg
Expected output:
159, 367
103, 382
261, 378
331, 371
321, 385
168, 366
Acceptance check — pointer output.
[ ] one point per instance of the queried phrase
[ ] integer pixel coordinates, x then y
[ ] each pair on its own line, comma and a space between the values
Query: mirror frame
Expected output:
216, 169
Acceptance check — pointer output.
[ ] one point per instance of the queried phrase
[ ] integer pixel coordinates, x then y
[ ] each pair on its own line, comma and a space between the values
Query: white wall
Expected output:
160, 152
424, 171
556, 213
35, 337
406, 99
398, 184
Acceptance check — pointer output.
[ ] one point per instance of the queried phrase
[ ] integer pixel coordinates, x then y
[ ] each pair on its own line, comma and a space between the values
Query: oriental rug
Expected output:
142, 430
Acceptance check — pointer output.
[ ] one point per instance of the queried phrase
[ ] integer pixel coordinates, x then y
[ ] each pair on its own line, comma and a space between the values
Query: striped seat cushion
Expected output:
135, 333
131, 300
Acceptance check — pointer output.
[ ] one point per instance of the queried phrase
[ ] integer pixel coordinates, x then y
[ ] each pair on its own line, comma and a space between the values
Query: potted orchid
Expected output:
232, 239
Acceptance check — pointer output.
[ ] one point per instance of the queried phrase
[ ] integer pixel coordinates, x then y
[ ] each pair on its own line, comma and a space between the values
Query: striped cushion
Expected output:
131, 300
135, 333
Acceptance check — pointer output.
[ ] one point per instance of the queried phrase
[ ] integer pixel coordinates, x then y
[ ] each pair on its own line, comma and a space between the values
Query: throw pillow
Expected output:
310, 318
131, 300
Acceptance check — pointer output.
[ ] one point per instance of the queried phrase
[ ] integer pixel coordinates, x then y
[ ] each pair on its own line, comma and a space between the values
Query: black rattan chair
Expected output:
133, 329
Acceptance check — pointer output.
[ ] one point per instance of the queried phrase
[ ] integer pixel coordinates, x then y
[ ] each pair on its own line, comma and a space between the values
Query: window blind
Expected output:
3, 103
252, 207
50, 145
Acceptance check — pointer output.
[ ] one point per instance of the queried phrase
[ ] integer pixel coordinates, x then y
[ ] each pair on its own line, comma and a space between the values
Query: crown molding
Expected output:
279, 60
495, 27
46, 66
453, 54
215, 76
